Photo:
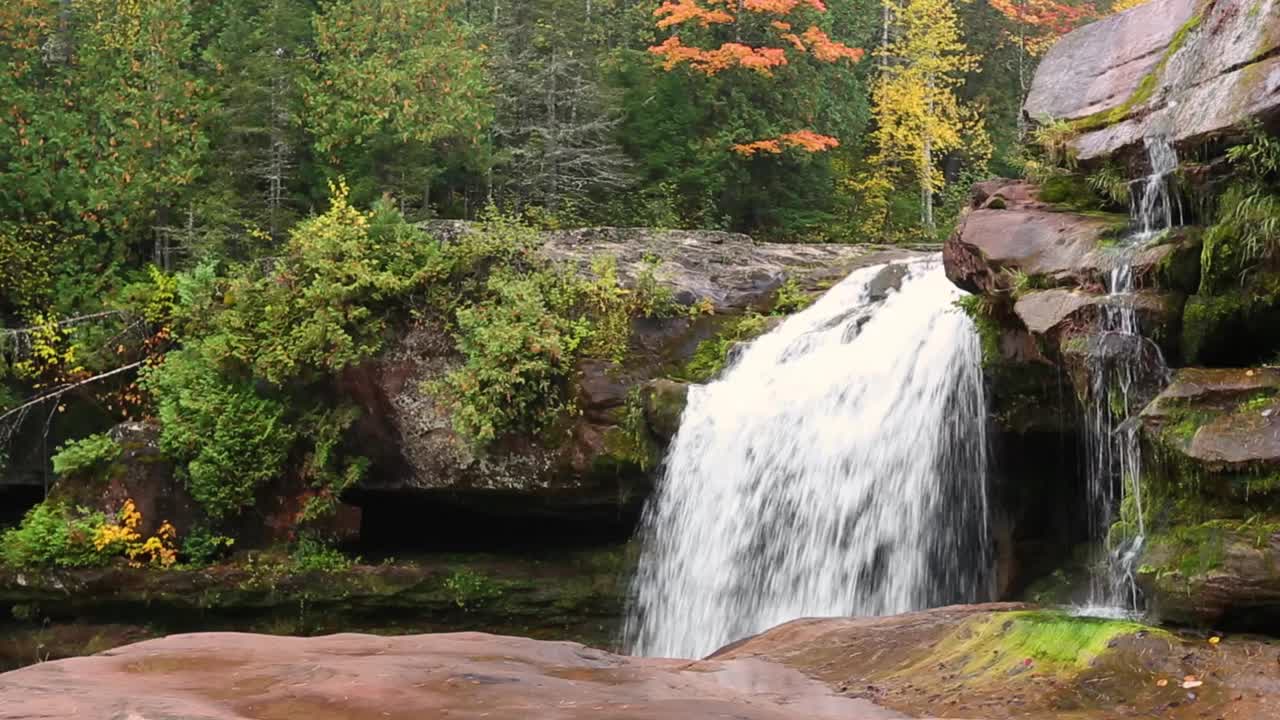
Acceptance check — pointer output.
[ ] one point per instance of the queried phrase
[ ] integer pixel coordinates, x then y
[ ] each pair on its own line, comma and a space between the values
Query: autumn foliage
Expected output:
1042, 22
782, 44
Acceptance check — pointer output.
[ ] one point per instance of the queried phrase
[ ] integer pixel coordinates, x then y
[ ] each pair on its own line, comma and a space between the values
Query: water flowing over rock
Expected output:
839, 467
1195, 67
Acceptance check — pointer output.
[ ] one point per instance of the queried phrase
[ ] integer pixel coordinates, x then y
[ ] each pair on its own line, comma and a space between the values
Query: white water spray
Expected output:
837, 468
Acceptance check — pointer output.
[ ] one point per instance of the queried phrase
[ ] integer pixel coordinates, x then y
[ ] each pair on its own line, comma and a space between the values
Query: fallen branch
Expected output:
68, 388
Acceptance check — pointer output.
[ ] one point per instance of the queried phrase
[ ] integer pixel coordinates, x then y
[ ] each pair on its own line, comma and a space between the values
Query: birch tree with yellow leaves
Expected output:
919, 118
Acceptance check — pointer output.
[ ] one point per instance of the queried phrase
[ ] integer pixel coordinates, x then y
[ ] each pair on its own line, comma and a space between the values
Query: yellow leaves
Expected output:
159, 550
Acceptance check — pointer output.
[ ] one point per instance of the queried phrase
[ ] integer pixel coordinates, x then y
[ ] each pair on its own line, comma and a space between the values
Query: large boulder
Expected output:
1183, 69
598, 464
1010, 234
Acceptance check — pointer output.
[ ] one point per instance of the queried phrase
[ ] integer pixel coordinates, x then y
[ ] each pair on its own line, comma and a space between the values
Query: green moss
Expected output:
1236, 327
1047, 642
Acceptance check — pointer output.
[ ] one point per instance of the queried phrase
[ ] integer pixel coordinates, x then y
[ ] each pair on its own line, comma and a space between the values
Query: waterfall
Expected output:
1120, 362
837, 468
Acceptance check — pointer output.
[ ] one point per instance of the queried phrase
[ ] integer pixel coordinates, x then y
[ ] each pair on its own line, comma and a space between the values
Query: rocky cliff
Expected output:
1203, 75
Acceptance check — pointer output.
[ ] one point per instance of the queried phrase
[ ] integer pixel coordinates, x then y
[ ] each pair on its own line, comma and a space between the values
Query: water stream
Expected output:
1121, 363
837, 468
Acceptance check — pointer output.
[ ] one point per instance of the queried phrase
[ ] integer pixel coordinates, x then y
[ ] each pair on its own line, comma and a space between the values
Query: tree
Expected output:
555, 126
918, 115
761, 36
396, 81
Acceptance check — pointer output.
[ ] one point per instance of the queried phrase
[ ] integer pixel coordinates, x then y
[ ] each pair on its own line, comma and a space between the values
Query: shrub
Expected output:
712, 356
204, 547
53, 535
230, 439
790, 298
87, 454
471, 590
312, 554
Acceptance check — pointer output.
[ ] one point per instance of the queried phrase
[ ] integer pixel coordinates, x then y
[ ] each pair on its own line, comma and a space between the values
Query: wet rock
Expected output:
664, 403
1048, 312
359, 677
1187, 69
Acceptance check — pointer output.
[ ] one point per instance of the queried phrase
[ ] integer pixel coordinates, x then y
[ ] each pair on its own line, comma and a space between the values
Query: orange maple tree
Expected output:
1041, 22
780, 43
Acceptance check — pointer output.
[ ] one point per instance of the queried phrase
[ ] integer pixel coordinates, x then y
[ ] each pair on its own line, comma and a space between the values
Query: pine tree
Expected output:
554, 130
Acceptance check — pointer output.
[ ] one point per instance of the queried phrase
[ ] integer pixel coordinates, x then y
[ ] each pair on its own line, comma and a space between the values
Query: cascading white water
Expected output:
1121, 360
837, 468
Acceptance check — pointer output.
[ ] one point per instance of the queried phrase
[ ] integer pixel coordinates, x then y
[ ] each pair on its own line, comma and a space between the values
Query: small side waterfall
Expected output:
837, 468
1121, 360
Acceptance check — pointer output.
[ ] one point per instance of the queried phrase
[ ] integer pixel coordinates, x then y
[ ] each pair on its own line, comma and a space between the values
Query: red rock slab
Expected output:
229, 676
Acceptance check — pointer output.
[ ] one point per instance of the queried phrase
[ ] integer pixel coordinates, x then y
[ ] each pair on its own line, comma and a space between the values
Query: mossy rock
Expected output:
664, 404
1240, 327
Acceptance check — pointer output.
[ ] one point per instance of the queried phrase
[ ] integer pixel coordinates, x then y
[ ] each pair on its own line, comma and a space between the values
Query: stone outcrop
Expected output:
1185, 69
989, 662
598, 465
1224, 420
1213, 509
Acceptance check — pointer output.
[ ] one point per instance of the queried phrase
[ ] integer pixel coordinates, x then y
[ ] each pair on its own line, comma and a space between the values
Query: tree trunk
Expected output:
926, 189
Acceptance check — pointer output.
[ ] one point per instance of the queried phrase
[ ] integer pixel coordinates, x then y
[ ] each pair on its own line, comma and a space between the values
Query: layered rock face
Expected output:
1185, 69
1197, 73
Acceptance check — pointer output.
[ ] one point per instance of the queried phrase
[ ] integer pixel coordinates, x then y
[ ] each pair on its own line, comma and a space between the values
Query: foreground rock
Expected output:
359, 677
988, 662
1185, 69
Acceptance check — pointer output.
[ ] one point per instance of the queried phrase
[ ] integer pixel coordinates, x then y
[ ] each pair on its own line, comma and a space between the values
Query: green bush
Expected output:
53, 535
228, 439
518, 347
312, 554
471, 590
204, 547
87, 454
790, 298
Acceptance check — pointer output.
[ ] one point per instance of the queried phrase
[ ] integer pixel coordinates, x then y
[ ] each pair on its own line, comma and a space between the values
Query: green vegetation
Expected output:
470, 590
979, 310
87, 454
54, 535
790, 298
712, 356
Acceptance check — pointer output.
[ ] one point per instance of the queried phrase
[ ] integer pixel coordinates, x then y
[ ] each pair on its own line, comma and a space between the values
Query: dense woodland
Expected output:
207, 207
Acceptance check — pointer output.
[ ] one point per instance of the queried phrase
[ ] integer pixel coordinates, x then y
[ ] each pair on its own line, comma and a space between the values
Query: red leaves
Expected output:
804, 140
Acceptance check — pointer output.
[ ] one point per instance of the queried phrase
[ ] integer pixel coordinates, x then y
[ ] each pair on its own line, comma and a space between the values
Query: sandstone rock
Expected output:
1185, 69
730, 270
1054, 248
1047, 312
1223, 573
994, 661
1219, 420
222, 676
143, 474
